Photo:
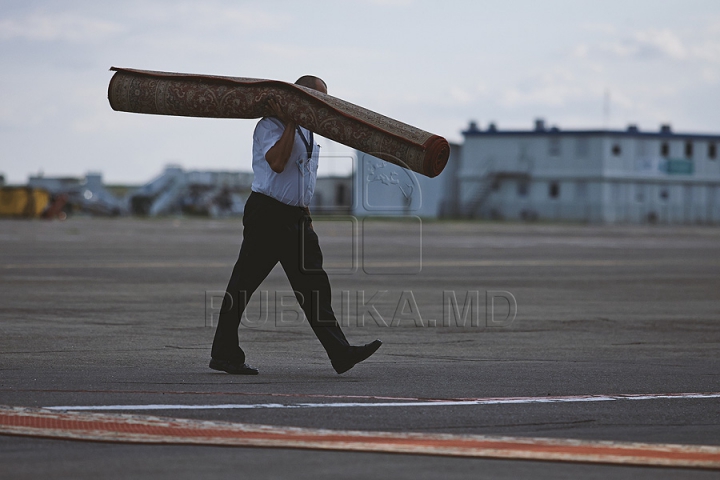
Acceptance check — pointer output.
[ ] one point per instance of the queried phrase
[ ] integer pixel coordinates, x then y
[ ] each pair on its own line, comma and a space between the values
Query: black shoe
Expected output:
356, 355
232, 368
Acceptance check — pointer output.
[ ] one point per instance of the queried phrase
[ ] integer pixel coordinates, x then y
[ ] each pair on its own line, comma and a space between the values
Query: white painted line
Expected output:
431, 403
425, 263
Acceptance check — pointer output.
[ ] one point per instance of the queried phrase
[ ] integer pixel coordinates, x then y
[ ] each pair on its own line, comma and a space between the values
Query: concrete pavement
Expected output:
115, 312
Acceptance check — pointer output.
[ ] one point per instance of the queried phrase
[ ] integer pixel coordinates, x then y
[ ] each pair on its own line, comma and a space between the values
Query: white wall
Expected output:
619, 186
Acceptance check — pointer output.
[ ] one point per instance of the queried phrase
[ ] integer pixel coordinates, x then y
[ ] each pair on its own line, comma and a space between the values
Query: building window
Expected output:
554, 147
639, 192
554, 190
618, 192
523, 188
688, 193
582, 147
616, 150
581, 191
688, 149
665, 149
712, 151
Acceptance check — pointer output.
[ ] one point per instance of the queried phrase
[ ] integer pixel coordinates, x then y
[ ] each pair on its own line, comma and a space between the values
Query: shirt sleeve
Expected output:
267, 132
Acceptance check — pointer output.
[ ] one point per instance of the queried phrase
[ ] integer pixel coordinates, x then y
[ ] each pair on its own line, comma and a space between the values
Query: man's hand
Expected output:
279, 113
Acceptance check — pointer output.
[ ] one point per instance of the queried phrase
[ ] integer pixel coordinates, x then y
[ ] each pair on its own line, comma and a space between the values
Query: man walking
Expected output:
278, 228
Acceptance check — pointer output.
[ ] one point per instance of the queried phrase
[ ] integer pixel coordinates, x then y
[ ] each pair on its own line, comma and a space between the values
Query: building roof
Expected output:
540, 129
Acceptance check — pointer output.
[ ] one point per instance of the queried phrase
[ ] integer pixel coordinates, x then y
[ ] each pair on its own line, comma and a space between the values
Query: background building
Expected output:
333, 194
597, 176
590, 175
175, 191
81, 195
609, 176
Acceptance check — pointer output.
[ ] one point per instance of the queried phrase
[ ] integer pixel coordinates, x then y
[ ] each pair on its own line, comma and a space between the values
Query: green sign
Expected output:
678, 167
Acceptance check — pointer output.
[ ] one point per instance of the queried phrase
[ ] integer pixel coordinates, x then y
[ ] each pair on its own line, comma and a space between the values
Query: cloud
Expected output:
185, 20
550, 88
208, 16
581, 51
547, 95
710, 76
461, 96
647, 44
708, 51
41, 26
603, 28
654, 44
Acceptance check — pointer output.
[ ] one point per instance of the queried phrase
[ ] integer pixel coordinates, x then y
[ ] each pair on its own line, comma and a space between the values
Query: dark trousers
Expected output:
275, 232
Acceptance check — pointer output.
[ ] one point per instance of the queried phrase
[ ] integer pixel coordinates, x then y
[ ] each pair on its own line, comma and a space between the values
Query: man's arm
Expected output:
279, 154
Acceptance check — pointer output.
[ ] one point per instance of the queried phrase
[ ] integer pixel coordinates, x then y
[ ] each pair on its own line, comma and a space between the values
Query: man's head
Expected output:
310, 81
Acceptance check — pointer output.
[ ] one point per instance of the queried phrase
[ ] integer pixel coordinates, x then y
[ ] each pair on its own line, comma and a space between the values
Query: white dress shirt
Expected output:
295, 185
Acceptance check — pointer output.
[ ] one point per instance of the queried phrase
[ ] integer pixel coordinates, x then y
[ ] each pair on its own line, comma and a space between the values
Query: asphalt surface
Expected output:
117, 312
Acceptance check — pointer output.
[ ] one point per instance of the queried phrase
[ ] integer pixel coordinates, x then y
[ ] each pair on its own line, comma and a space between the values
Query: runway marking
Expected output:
14, 266
210, 393
157, 430
409, 264
398, 403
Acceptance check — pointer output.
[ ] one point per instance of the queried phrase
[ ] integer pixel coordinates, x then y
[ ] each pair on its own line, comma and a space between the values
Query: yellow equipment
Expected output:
24, 202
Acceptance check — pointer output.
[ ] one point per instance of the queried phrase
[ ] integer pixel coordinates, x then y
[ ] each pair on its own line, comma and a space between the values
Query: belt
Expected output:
279, 207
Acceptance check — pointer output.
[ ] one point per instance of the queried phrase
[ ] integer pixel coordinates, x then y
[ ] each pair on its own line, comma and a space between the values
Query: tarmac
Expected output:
117, 314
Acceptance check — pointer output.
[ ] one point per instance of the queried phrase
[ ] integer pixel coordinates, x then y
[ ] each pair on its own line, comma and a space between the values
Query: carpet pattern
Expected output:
161, 93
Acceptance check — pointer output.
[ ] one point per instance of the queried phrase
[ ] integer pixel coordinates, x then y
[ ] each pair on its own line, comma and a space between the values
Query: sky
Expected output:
435, 65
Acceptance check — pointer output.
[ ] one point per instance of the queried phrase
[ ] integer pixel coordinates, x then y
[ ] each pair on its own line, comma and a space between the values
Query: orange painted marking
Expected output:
148, 429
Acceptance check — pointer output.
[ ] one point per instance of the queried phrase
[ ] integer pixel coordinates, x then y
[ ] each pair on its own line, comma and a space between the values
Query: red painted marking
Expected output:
147, 429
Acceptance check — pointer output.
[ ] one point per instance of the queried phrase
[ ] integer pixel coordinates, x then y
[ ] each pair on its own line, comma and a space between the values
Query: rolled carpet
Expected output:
187, 95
